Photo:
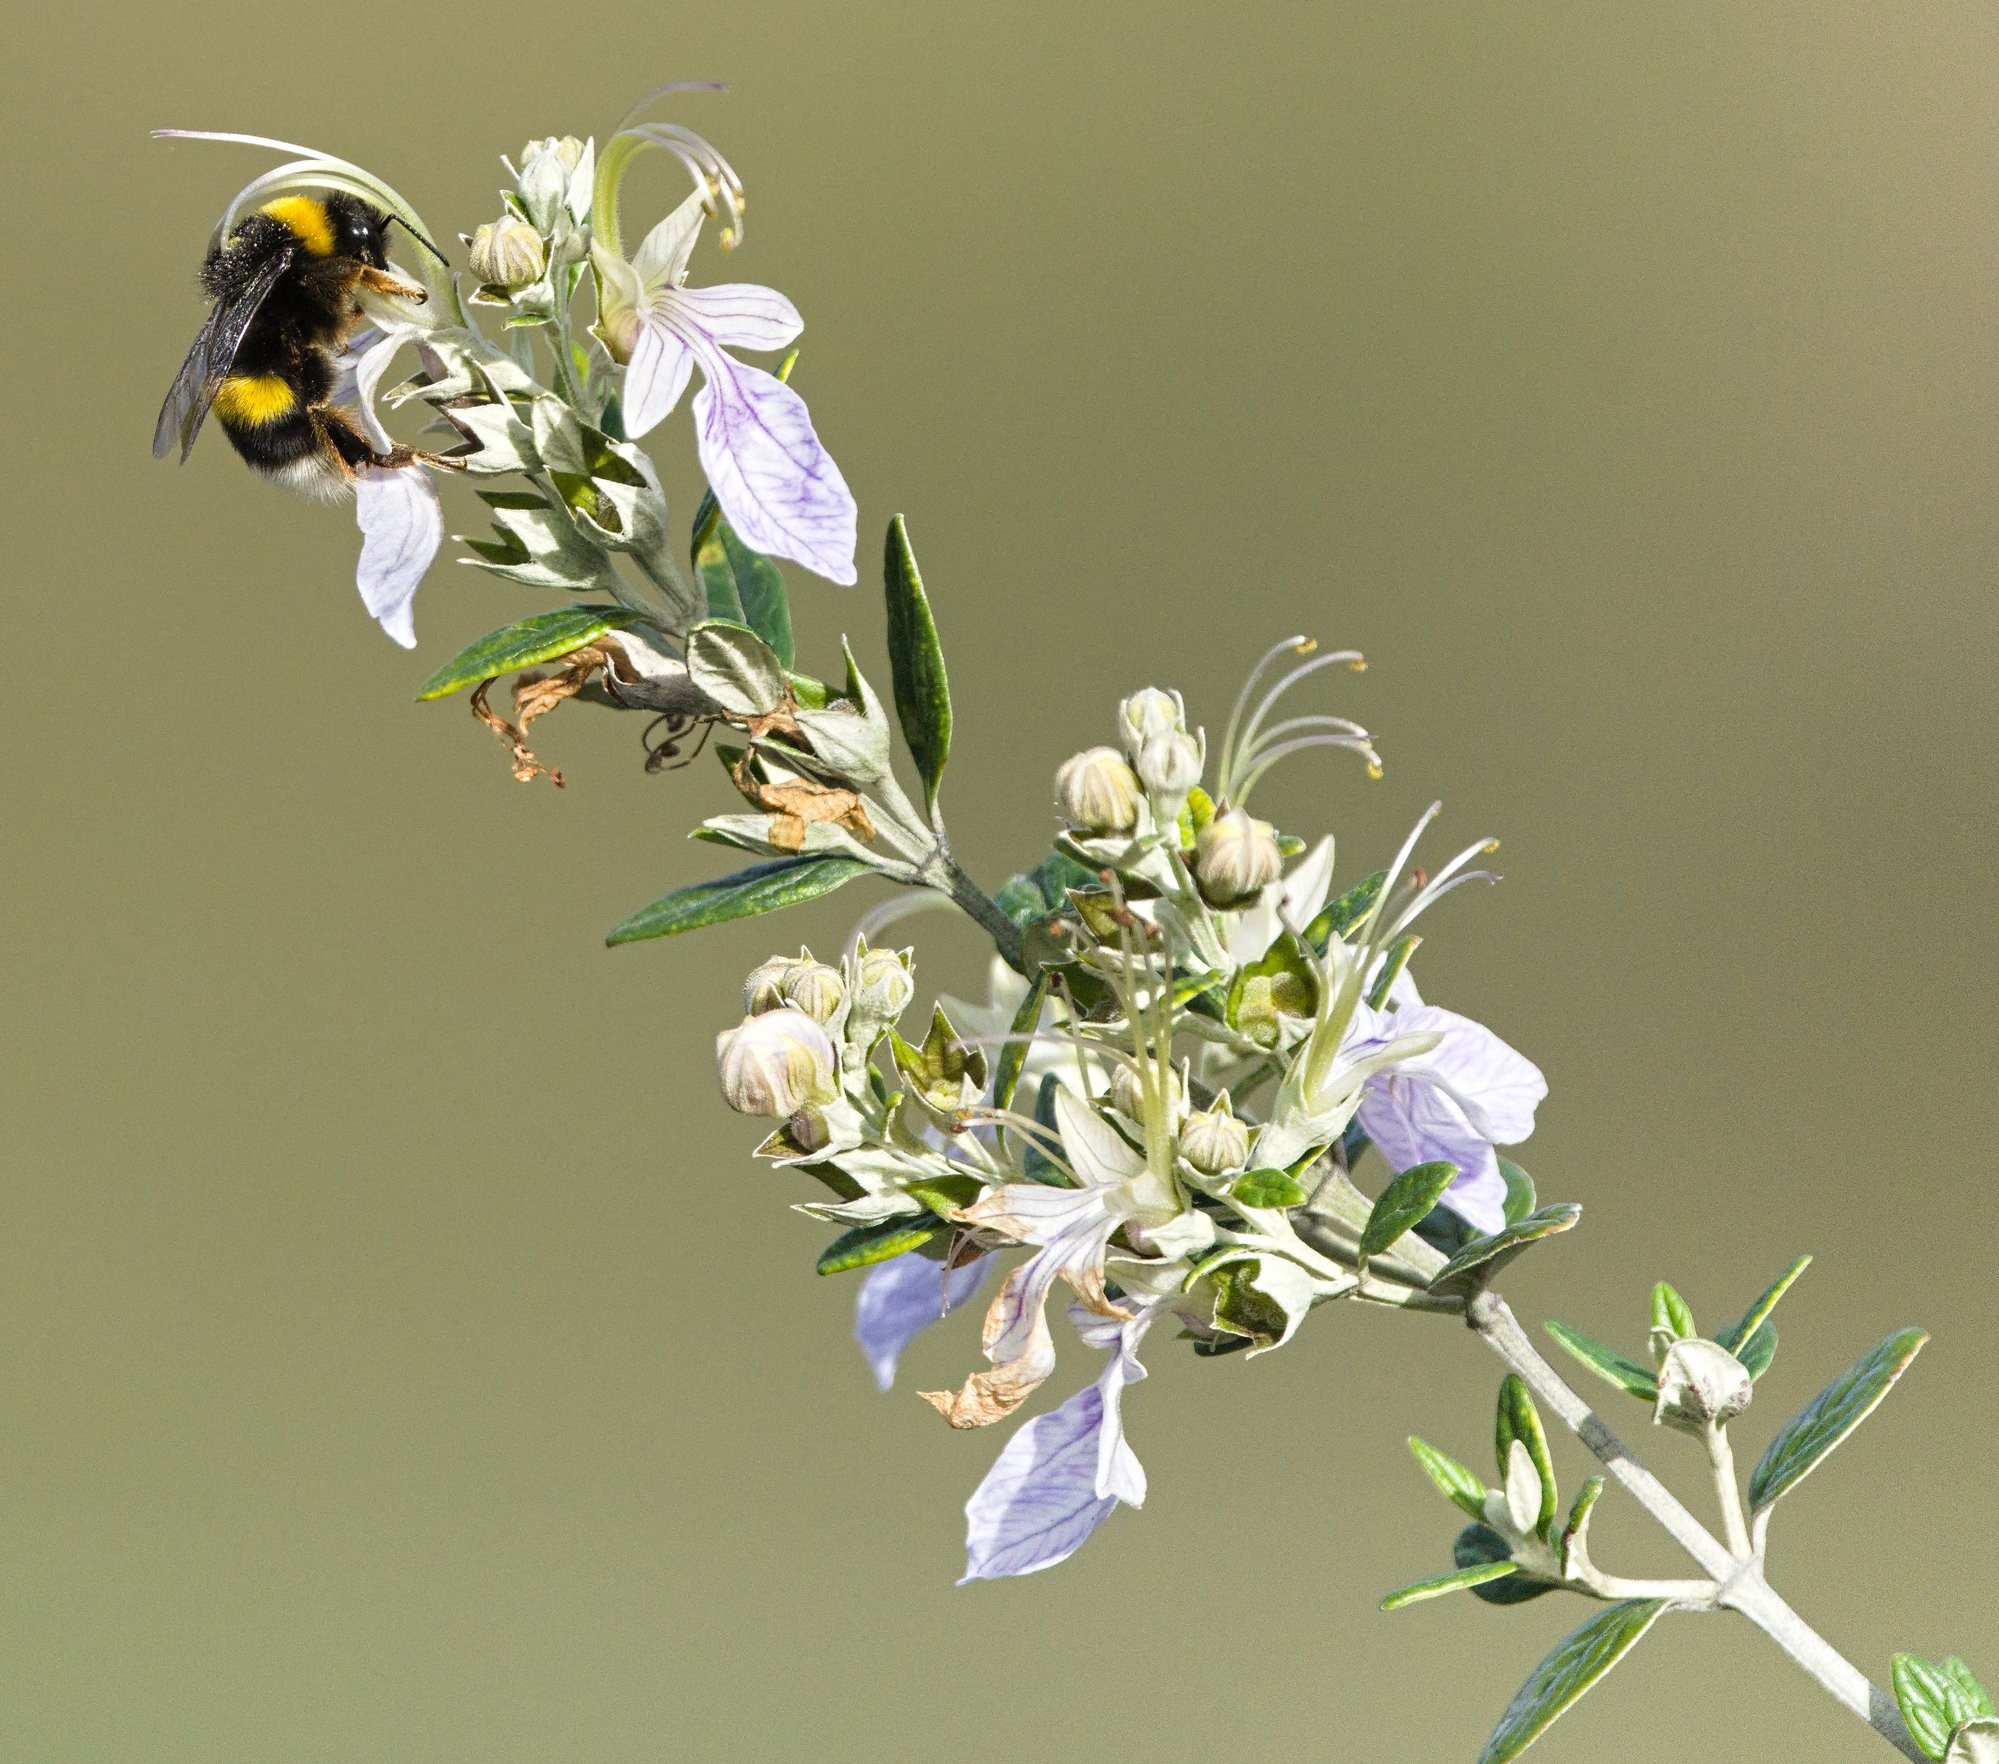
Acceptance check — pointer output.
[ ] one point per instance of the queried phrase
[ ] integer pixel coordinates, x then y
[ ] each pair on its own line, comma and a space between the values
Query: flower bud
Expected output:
1235, 858
1170, 766
882, 986
764, 989
816, 989
776, 1063
1214, 1141
1147, 713
566, 148
1700, 1384
507, 254
1096, 792
1128, 1091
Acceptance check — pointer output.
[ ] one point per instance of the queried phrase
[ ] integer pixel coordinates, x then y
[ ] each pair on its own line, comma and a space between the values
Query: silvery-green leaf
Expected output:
1620, 1369
761, 889
850, 745
1672, 1320
1478, 1574
1522, 1488
1262, 1297
1482, 1258
1404, 1201
866, 1245
544, 637
736, 668
538, 544
1457, 1484
1575, 1533
1976, 1742
1802, 1444
497, 440
916, 660
1480, 1543
1937, 1699
751, 832
1518, 1423
1753, 1319
1519, 1190
1578, 1660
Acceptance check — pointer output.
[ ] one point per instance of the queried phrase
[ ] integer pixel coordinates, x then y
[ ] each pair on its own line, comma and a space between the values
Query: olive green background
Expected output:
401, 1359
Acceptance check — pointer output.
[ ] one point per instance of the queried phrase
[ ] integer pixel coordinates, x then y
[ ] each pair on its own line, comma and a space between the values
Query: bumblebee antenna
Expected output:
396, 220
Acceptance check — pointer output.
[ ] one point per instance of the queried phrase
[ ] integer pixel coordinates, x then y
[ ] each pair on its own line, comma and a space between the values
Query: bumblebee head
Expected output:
357, 230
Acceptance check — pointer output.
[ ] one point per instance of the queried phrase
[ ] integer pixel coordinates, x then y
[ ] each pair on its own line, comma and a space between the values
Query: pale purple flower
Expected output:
1062, 1472
901, 1298
777, 485
1455, 1103
400, 514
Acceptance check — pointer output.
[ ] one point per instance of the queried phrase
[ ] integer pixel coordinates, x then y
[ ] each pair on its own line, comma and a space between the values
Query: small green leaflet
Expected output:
1671, 1315
1405, 1200
1343, 914
1936, 1698
541, 638
1518, 1419
1477, 1575
1752, 1320
1483, 1257
1268, 1189
1519, 1191
762, 888
1579, 1659
1454, 1482
916, 662
1608, 1363
866, 1245
1013, 1055
1805, 1439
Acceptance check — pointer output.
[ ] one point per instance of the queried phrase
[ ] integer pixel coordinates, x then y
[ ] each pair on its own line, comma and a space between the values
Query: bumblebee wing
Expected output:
214, 350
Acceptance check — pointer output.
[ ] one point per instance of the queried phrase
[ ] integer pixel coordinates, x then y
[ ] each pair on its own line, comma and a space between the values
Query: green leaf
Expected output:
1936, 1699
1579, 1659
741, 585
1585, 1503
866, 1245
1483, 1257
1805, 1439
1268, 1188
1014, 1054
1672, 1318
1519, 1191
541, 638
1607, 1363
916, 660
1518, 1419
1753, 1319
736, 668
1343, 914
1392, 965
1480, 1543
944, 1195
1758, 1351
1035, 1164
762, 888
1405, 1200
1478, 1574
1454, 1482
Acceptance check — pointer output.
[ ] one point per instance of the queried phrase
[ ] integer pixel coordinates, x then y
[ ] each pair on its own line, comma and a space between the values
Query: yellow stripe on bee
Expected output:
244, 401
307, 217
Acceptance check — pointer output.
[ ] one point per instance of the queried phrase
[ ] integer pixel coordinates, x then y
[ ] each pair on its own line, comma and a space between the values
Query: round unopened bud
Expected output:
776, 1063
764, 989
1096, 792
1214, 1141
1170, 766
566, 148
816, 989
1235, 858
883, 985
508, 254
1146, 713
1128, 1091
1701, 1384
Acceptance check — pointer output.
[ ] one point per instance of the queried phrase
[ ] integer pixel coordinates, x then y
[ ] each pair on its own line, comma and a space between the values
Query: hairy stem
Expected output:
946, 874
1739, 1578
1721, 1456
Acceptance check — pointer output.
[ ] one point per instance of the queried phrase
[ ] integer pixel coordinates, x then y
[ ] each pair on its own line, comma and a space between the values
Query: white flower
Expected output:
400, 515
776, 484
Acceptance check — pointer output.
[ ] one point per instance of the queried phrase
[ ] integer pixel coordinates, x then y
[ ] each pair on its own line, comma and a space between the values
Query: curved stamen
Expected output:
1270, 755
1298, 646
671, 86
1350, 657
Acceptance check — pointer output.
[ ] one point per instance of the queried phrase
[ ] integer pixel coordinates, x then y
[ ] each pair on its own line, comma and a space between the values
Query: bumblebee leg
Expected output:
381, 282
355, 451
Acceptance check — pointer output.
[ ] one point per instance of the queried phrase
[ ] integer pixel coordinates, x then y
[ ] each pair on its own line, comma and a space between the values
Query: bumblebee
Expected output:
285, 286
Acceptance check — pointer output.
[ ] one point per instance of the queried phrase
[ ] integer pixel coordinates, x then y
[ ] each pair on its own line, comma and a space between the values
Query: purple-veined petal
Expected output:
1497, 1087
1414, 1121
402, 525
741, 315
1095, 1149
1119, 1472
779, 488
656, 376
902, 1298
1039, 1501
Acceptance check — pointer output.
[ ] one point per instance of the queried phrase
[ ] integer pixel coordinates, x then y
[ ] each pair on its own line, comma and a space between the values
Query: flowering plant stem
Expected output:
1737, 1576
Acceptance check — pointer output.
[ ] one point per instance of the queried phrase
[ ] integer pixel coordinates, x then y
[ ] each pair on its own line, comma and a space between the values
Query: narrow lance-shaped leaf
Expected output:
916, 659
1483, 1257
1608, 1363
1753, 1319
1804, 1440
1578, 1660
1457, 1484
1520, 1199
1006, 1069
1458, 1581
866, 1245
545, 637
1518, 1419
1405, 1200
762, 888
1343, 914
1672, 1318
